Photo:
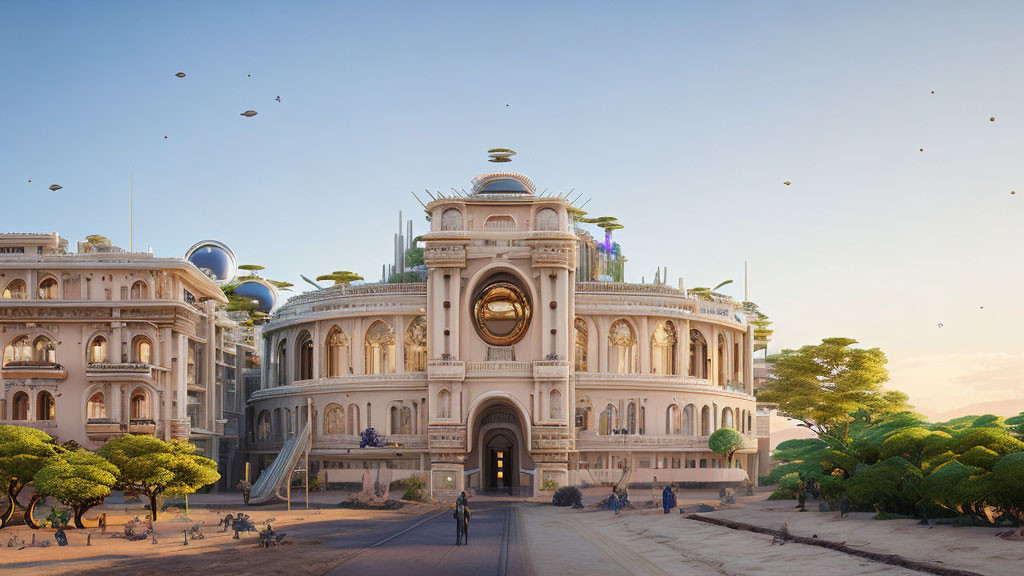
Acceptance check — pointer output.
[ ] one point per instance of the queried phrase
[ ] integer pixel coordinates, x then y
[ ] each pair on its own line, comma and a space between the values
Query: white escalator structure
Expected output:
268, 485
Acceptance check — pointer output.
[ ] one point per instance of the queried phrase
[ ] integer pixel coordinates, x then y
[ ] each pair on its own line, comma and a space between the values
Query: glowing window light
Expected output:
500, 464
501, 454
499, 474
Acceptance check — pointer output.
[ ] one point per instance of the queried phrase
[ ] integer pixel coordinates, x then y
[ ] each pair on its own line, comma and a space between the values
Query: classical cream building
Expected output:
104, 342
505, 369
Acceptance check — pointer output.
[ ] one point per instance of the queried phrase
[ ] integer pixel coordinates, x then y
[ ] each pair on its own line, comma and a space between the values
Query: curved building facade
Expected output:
505, 370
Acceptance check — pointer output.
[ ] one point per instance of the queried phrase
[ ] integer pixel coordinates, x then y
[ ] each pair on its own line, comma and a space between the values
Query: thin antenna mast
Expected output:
131, 214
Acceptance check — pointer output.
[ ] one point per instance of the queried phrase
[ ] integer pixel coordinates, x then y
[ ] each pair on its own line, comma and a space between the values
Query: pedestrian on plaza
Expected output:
461, 515
616, 499
668, 498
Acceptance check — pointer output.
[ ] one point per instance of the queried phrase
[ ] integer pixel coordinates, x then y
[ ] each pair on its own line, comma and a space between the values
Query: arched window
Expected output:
663, 348
395, 420
500, 222
607, 422
555, 399
19, 350
98, 350
139, 406
15, 290
727, 418
750, 422
334, 419
547, 219
705, 421
581, 345
282, 363
142, 350
304, 368
721, 360
139, 290
19, 406
689, 417
673, 424
48, 289
95, 409
339, 354
444, 404
401, 420
631, 418
622, 348
451, 219
353, 419
380, 349
44, 351
698, 354
416, 345
263, 426
46, 408
288, 424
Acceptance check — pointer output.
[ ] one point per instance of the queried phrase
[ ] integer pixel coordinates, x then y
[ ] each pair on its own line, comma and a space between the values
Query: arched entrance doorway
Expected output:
499, 453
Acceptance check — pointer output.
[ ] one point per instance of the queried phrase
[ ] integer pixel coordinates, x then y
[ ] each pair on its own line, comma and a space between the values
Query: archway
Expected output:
499, 450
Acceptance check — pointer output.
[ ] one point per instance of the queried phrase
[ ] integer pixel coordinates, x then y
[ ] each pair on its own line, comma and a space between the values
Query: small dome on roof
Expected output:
503, 183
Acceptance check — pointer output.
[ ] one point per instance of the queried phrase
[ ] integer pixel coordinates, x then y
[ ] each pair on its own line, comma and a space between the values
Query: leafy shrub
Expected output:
833, 488
414, 487
1003, 487
995, 439
979, 457
568, 496
893, 484
948, 485
549, 485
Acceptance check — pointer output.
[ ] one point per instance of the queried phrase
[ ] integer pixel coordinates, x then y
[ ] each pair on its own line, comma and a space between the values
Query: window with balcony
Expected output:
380, 349
622, 348
339, 354
95, 409
663, 348
416, 345
98, 350
15, 290
48, 289
19, 350
44, 352
139, 405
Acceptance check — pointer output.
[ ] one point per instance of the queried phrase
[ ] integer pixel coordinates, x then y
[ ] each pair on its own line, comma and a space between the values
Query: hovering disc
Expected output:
249, 113
214, 259
55, 187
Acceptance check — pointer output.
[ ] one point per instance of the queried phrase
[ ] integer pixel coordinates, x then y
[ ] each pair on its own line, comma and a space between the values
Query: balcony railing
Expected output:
34, 369
118, 367
499, 368
593, 441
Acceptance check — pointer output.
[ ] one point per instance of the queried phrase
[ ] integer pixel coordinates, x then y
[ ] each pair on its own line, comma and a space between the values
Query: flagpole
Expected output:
131, 215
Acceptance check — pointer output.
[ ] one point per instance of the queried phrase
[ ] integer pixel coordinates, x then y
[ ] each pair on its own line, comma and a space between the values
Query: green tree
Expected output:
725, 441
340, 277
79, 479
824, 384
23, 451
150, 466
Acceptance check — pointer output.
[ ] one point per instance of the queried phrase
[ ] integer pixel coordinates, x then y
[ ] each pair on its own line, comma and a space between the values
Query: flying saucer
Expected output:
55, 187
214, 259
260, 292
249, 113
180, 74
500, 155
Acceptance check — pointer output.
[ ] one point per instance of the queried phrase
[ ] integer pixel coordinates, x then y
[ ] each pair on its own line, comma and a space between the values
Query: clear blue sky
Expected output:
683, 120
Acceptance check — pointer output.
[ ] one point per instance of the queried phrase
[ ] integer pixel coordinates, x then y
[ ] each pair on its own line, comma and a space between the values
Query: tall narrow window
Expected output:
727, 418
18, 351
263, 426
416, 345
698, 354
689, 416
95, 409
19, 406
444, 404
663, 348
721, 361
98, 350
339, 354
607, 420
380, 349
581, 345
555, 398
631, 418
48, 289
304, 343
705, 421
142, 350
353, 419
46, 408
282, 363
139, 405
622, 348
15, 290
334, 419
44, 352
584, 411
672, 426
396, 420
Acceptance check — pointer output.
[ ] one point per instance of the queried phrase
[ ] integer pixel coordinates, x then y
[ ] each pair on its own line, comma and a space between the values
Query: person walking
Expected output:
668, 498
461, 515
616, 499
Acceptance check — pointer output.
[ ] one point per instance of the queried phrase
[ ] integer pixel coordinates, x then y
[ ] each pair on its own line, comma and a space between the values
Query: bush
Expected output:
979, 457
549, 485
948, 485
893, 484
568, 496
414, 487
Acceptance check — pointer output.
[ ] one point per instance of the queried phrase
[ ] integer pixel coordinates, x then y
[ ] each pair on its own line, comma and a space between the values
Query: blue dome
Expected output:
505, 185
213, 259
264, 294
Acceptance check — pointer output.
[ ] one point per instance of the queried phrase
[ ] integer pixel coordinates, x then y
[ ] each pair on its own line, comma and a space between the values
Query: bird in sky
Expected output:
278, 98
787, 182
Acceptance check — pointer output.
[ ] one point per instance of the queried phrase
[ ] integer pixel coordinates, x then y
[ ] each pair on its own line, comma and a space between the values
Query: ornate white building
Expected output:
505, 370
104, 342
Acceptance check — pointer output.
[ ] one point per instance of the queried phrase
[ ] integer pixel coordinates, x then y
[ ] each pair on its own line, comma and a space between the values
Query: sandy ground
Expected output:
595, 542
217, 553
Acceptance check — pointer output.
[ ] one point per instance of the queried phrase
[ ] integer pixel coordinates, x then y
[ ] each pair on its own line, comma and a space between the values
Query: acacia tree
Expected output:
727, 442
79, 479
23, 451
150, 466
340, 277
823, 385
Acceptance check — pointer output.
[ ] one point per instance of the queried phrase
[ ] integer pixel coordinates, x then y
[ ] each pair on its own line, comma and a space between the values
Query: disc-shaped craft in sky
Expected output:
214, 259
55, 187
500, 155
249, 113
260, 292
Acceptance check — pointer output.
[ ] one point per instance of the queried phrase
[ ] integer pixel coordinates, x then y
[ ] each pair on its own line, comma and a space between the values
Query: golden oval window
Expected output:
501, 314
